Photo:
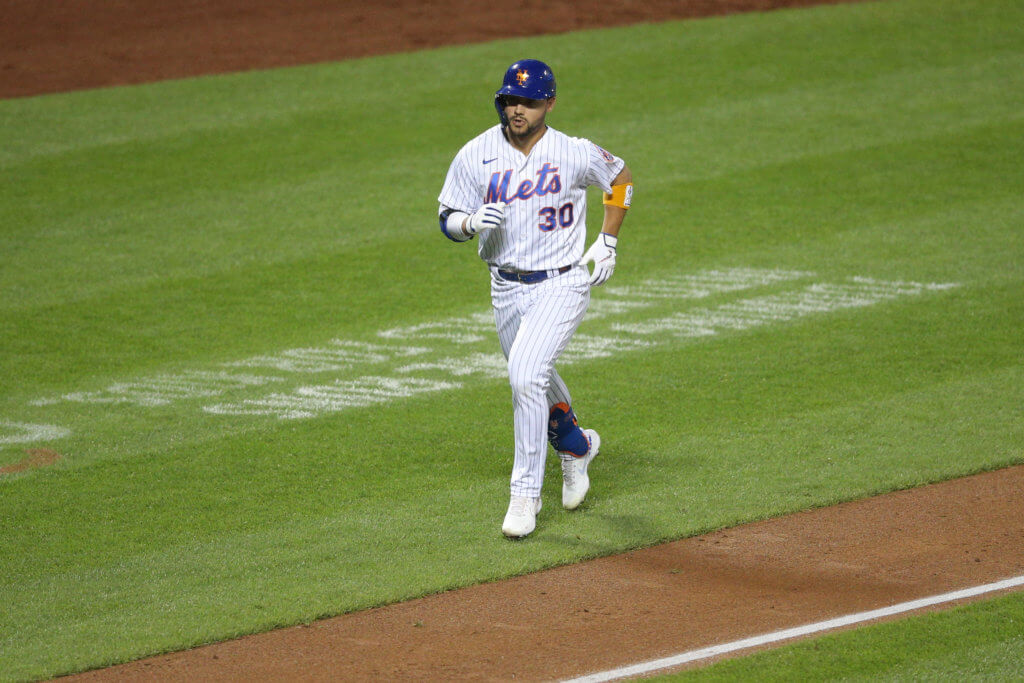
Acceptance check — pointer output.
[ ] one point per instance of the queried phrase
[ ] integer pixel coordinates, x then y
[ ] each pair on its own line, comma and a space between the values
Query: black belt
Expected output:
530, 277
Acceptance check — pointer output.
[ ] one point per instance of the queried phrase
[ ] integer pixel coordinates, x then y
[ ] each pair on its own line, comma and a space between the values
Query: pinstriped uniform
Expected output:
544, 229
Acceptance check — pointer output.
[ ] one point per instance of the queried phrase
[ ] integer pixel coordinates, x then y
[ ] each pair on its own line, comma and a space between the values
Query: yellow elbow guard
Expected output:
621, 196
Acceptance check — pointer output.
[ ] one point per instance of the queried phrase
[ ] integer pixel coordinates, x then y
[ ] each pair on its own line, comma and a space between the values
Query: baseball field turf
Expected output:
269, 391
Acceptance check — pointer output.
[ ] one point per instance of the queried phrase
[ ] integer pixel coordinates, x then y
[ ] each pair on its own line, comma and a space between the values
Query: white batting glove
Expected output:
602, 254
486, 217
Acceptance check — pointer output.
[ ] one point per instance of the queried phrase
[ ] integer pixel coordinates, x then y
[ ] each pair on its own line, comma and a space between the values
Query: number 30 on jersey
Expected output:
551, 218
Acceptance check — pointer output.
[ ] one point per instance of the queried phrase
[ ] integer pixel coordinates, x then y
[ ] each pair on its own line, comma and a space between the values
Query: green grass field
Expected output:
272, 382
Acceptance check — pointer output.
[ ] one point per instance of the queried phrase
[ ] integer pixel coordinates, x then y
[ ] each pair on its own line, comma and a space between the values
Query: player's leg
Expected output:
576, 448
506, 298
564, 433
558, 392
504, 301
551, 314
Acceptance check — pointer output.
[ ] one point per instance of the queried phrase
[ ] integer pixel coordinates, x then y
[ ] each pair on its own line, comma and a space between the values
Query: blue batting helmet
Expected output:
528, 78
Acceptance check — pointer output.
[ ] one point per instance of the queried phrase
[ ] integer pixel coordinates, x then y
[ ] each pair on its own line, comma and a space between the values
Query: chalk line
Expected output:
796, 632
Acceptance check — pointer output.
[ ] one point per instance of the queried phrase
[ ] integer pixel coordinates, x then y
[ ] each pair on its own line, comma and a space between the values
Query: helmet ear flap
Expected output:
499, 104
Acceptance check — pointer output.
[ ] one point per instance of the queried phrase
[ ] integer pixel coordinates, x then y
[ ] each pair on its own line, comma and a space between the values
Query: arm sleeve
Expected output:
459, 188
456, 196
602, 166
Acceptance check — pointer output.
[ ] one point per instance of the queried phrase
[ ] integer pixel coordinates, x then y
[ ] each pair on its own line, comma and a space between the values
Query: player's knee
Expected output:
527, 379
527, 386
564, 433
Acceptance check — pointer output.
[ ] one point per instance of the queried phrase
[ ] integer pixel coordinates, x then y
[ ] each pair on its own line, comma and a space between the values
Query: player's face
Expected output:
526, 116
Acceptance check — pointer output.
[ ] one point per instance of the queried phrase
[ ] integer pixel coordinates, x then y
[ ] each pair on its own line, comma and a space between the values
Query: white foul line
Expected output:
808, 629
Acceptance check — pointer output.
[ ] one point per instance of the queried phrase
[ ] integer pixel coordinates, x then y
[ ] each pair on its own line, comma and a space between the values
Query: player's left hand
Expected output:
602, 254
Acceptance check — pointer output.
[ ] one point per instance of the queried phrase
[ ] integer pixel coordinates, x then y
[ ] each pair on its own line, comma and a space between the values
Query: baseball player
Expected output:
520, 187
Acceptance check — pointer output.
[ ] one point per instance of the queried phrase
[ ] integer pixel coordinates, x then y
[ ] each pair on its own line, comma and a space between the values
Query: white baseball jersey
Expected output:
546, 193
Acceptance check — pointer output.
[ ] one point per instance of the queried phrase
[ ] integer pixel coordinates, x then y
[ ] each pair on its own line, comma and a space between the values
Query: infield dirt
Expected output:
571, 620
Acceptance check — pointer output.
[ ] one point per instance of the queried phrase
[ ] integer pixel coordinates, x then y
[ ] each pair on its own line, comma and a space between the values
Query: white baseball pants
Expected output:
535, 323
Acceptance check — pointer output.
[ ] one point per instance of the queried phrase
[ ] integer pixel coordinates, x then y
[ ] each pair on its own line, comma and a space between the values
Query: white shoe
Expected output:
521, 518
575, 481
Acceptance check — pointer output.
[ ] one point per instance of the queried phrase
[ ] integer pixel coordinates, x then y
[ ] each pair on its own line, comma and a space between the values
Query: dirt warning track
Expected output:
49, 46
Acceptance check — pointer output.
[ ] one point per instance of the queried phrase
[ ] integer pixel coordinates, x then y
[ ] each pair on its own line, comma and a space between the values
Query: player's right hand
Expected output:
486, 217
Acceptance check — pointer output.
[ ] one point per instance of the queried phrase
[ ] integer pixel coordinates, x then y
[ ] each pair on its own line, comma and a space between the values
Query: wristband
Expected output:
451, 225
620, 196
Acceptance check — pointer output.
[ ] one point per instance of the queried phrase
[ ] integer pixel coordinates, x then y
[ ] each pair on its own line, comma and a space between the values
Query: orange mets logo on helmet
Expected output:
522, 76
